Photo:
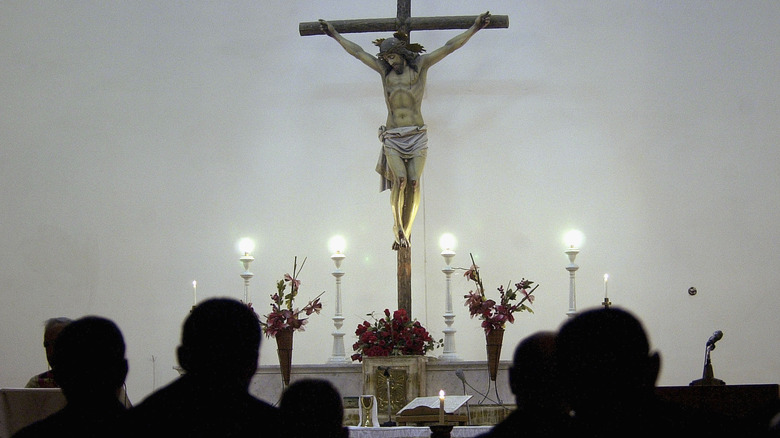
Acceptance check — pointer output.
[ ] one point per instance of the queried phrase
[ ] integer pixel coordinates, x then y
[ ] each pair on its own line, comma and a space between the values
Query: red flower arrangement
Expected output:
496, 315
283, 316
396, 336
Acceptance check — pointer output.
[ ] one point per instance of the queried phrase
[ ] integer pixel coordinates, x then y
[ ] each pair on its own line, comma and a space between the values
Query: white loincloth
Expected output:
406, 141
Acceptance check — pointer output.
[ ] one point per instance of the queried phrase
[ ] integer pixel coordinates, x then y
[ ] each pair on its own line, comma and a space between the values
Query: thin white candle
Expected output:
441, 406
194, 292
606, 279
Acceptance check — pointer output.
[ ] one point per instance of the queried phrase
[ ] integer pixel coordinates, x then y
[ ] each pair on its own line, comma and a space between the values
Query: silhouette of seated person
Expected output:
609, 377
51, 330
220, 343
90, 367
534, 380
312, 408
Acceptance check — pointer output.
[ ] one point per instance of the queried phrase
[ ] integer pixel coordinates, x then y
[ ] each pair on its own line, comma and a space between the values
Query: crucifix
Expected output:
404, 138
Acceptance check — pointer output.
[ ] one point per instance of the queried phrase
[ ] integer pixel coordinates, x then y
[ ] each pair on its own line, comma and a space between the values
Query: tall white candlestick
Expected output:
194, 292
606, 279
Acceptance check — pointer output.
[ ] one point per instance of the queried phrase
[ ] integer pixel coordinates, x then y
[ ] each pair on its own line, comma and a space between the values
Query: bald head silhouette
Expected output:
605, 360
89, 360
220, 341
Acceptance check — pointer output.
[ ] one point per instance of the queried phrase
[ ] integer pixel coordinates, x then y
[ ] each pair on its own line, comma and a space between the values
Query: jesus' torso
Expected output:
403, 95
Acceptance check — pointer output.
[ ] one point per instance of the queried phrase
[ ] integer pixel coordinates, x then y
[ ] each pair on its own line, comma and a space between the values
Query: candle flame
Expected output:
441, 394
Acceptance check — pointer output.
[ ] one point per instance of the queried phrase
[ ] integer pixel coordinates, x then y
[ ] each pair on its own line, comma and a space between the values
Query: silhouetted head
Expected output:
605, 361
89, 359
533, 376
313, 408
220, 341
51, 330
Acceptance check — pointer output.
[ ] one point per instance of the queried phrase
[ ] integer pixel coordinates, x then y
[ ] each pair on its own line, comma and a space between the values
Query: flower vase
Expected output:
284, 349
494, 341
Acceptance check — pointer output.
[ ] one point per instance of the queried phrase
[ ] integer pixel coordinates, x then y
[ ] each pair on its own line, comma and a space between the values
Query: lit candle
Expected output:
194, 292
441, 406
606, 278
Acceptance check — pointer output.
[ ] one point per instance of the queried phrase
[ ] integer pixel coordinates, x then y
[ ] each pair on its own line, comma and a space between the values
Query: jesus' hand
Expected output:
326, 27
482, 20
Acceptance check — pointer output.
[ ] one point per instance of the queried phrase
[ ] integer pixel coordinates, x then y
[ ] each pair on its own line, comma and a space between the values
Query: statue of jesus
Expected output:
404, 135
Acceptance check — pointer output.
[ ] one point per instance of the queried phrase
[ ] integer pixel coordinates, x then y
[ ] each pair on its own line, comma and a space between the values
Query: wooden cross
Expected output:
403, 22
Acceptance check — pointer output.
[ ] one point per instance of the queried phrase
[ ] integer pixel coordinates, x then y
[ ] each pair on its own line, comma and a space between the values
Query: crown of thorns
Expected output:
400, 45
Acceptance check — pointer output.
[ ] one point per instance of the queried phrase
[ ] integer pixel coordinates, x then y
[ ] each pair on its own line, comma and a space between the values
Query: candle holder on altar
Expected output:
246, 246
338, 354
447, 242
573, 240
606, 303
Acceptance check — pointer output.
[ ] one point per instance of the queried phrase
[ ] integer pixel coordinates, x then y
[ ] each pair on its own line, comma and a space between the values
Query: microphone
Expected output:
708, 377
385, 369
460, 375
714, 338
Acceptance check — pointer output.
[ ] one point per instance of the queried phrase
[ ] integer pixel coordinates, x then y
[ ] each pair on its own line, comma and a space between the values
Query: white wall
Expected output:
141, 140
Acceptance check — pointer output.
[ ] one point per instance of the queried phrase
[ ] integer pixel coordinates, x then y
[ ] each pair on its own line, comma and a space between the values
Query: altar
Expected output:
487, 407
413, 432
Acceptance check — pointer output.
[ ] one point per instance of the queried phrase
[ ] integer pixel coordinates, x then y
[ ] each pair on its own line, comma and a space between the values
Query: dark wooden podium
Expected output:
751, 405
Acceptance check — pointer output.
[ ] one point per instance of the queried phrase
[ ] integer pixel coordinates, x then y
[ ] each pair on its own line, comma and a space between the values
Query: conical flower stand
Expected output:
494, 341
284, 349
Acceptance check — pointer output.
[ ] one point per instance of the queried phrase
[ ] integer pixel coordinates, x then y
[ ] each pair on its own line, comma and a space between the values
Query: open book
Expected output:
430, 405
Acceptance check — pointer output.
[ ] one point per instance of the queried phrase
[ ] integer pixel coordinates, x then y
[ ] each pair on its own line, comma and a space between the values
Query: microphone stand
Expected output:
708, 376
468, 410
389, 422
484, 395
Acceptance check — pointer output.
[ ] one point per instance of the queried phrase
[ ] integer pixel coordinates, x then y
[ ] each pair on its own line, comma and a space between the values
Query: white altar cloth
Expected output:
413, 432
22, 406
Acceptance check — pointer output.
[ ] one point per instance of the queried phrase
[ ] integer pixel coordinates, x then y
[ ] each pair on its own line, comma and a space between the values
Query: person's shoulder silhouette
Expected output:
535, 382
90, 367
220, 343
312, 408
609, 374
